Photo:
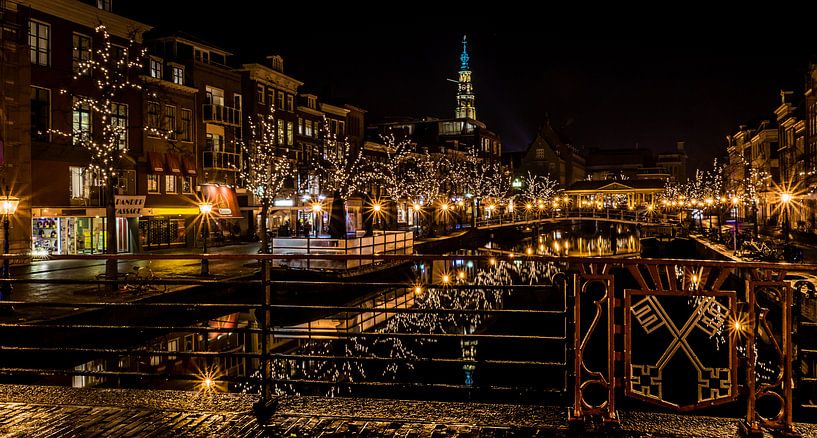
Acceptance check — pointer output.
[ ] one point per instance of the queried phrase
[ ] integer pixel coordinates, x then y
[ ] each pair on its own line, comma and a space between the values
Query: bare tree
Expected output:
342, 168
264, 170
114, 73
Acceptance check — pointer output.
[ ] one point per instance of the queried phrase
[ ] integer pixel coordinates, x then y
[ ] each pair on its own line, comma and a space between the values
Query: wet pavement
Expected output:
84, 270
31, 411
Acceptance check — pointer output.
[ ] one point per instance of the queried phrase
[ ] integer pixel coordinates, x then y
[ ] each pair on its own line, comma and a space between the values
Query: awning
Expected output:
173, 165
189, 165
224, 200
156, 162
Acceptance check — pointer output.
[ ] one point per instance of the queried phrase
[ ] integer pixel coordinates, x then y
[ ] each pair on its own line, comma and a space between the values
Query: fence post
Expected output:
265, 406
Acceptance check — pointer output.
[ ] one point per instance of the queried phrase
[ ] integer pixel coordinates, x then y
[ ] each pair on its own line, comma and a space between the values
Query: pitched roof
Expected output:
618, 184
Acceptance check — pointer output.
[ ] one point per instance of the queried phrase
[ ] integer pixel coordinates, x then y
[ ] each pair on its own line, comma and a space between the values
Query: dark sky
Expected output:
650, 85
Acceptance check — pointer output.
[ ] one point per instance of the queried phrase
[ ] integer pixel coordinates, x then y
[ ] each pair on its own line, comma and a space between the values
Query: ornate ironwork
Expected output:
680, 323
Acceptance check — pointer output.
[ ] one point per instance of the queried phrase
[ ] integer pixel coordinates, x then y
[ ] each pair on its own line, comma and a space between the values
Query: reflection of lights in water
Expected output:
492, 261
461, 275
208, 380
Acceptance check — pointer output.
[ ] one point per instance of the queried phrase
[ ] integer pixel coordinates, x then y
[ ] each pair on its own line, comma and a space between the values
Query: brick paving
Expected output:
31, 411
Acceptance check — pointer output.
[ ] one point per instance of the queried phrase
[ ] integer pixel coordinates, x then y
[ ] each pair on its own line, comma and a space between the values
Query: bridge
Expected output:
594, 337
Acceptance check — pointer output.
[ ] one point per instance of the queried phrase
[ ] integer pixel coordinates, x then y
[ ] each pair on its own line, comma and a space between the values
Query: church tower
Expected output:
465, 89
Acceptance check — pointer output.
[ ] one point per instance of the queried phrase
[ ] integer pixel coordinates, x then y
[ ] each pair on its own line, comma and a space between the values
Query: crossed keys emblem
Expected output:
646, 380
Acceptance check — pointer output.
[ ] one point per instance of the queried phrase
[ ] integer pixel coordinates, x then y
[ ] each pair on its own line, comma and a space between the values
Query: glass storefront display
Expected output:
68, 235
160, 231
45, 236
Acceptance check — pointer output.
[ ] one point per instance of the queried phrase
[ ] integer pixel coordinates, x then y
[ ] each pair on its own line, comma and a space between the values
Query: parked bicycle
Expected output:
143, 280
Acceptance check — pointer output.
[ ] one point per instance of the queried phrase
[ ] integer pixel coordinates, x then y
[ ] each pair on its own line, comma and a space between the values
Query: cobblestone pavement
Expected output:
30, 411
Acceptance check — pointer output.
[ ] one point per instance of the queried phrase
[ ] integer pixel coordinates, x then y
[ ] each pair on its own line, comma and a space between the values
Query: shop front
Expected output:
73, 231
165, 231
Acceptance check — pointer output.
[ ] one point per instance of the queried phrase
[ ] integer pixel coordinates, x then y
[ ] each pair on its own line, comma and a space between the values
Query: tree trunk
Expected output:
431, 222
111, 268
263, 226
337, 217
391, 214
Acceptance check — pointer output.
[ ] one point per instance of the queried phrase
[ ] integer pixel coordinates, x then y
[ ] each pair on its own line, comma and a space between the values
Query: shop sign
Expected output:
129, 206
223, 198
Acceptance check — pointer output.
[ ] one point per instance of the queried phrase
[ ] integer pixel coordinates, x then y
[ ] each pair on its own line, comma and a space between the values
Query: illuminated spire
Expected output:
465, 90
464, 56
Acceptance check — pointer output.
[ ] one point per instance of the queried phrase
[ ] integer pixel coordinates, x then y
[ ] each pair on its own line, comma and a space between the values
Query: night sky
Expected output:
648, 85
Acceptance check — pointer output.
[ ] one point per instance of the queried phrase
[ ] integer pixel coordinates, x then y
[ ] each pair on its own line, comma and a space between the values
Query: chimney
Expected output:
276, 62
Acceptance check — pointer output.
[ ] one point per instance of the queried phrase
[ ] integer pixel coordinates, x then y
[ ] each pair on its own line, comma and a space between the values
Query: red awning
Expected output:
189, 165
224, 200
173, 165
156, 162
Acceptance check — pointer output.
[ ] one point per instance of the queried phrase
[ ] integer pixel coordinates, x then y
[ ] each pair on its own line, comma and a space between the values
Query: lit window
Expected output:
105, 5
153, 183
289, 133
81, 121
156, 68
39, 42
170, 184
178, 74
77, 181
187, 184
153, 115
260, 94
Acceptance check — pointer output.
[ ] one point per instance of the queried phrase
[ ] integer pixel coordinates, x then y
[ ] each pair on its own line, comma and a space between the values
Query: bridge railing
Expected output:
608, 333
536, 215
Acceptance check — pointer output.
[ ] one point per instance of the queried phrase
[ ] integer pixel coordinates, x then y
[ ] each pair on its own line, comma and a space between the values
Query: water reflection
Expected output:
581, 240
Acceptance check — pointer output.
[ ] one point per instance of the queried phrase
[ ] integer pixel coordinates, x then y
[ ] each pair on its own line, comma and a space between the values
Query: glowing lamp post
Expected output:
205, 208
444, 207
416, 207
376, 209
785, 199
8, 207
316, 211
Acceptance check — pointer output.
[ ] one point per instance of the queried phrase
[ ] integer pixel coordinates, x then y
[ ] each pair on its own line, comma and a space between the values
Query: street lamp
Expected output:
444, 207
416, 207
205, 208
785, 198
7, 208
316, 212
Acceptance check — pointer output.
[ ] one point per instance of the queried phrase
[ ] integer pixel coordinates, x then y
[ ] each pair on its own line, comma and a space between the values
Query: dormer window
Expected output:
201, 55
105, 5
310, 102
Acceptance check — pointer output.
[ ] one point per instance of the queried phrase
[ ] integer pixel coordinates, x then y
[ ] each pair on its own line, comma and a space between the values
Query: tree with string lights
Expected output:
537, 188
343, 173
264, 170
390, 173
114, 73
426, 178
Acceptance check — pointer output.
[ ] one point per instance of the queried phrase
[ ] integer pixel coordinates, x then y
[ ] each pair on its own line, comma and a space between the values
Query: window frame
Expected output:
171, 185
186, 127
118, 119
259, 91
153, 178
35, 50
153, 120
155, 72
90, 124
76, 51
46, 136
190, 189
174, 77
169, 121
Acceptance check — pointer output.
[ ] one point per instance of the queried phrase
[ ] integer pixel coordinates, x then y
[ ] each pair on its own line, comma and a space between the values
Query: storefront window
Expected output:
161, 231
45, 236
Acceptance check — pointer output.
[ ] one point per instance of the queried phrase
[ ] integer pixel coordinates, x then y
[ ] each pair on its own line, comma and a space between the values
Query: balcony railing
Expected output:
223, 115
222, 160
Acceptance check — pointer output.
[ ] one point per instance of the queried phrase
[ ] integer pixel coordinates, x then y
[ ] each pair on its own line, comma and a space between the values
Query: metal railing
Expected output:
606, 332
523, 216
221, 114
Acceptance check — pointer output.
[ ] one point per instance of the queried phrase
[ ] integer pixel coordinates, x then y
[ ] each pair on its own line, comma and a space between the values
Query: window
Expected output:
156, 68
117, 52
187, 184
333, 126
82, 52
39, 42
105, 5
201, 55
119, 122
289, 134
170, 121
177, 72
341, 128
280, 101
540, 153
310, 102
40, 113
77, 181
153, 183
215, 96
170, 184
187, 125
308, 129
81, 121
260, 93
290, 103
153, 116
270, 97
237, 104
280, 124
300, 126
